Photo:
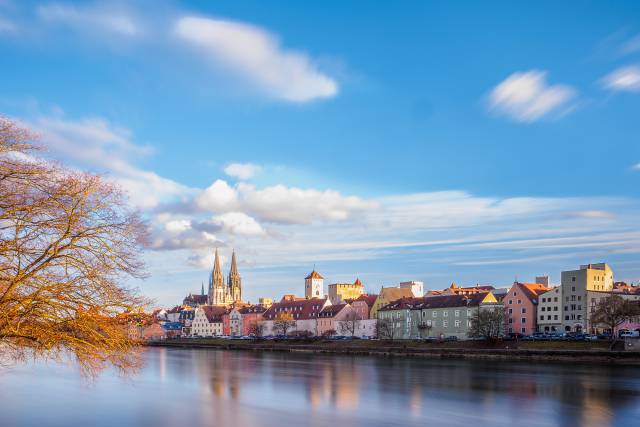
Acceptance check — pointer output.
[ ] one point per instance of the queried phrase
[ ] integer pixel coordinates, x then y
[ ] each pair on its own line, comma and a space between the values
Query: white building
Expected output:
550, 310
313, 285
417, 288
207, 321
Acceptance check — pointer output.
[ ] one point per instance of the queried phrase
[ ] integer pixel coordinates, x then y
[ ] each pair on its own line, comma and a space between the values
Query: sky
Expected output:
467, 142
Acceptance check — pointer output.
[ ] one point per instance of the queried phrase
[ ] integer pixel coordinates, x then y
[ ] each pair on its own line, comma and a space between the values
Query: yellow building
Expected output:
339, 292
387, 296
265, 302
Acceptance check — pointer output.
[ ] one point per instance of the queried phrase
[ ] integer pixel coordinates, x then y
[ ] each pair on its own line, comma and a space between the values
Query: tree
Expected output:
284, 323
487, 323
612, 310
349, 324
67, 239
256, 329
385, 329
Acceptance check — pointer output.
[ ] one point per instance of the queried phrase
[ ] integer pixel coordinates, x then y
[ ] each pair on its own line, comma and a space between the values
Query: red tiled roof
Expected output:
214, 313
301, 309
367, 298
532, 290
440, 301
253, 309
314, 275
331, 310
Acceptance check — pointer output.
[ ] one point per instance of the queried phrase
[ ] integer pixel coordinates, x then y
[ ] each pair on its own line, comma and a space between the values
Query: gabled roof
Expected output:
314, 275
402, 304
331, 310
532, 290
392, 294
301, 308
253, 309
214, 313
369, 299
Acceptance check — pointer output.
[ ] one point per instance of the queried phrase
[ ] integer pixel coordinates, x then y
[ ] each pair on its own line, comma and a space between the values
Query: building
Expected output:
194, 300
417, 288
265, 302
543, 280
575, 286
207, 321
340, 292
387, 296
314, 285
304, 312
437, 316
593, 300
462, 290
331, 318
222, 294
550, 311
243, 320
362, 305
450, 315
520, 305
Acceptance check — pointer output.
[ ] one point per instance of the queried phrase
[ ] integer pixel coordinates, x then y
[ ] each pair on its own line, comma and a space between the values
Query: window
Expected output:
524, 310
511, 311
573, 289
523, 320
523, 330
579, 317
542, 309
579, 298
549, 317
434, 314
457, 323
519, 301
445, 323
510, 320
555, 299
541, 317
555, 317
445, 314
555, 308
510, 301
573, 279
457, 313
566, 317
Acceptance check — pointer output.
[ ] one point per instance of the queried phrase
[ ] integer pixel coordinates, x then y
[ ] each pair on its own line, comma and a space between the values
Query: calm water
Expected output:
223, 388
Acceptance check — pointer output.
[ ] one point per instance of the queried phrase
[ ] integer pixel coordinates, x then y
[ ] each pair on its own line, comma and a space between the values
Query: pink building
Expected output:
520, 305
362, 305
330, 317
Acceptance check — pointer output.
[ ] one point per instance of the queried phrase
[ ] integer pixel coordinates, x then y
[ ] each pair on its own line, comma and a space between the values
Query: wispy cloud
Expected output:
91, 18
243, 171
257, 55
527, 97
625, 79
6, 26
96, 144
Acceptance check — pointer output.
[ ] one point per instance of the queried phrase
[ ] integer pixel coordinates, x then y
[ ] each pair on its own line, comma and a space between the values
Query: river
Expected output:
184, 387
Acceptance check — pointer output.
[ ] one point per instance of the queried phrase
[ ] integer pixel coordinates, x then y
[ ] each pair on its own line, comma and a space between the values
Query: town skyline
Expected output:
422, 142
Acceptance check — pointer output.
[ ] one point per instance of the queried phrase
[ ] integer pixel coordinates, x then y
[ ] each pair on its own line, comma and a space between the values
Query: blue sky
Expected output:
468, 142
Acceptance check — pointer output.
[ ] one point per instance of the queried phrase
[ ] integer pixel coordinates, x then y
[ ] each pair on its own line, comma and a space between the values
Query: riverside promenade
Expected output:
561, 352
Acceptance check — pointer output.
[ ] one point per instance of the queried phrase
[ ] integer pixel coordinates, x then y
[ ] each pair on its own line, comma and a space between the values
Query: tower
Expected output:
216, 283
234, 281
313, 285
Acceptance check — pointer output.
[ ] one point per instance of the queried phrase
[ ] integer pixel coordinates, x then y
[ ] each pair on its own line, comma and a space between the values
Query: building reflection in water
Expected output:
240, 388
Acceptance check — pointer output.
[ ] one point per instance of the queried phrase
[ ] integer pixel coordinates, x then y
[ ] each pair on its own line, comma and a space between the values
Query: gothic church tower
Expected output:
234, 281
217, 291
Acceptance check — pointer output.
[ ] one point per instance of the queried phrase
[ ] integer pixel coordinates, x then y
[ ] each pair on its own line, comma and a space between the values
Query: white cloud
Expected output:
526, 96
238, 223
96, 144
623, 79
257, 55
242, 171
91, 18
281, 204
637, 167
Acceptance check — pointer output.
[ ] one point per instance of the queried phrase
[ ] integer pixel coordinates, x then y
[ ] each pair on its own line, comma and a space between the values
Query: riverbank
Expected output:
545, 351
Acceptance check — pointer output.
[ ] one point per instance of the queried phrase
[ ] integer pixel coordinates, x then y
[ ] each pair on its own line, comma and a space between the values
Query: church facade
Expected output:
221, 293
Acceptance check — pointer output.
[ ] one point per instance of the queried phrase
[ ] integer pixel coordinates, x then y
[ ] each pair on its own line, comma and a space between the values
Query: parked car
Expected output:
629, 334
451, 338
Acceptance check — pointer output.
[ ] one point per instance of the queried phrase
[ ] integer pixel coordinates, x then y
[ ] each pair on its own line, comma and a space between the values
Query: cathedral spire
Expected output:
202, 289
216, 283
234, 266
234, 282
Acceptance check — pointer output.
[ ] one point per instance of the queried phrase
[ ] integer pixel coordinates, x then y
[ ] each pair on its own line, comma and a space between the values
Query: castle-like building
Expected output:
221, 293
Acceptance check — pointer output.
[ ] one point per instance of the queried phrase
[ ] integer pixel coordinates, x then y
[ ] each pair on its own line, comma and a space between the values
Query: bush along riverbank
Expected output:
574, 352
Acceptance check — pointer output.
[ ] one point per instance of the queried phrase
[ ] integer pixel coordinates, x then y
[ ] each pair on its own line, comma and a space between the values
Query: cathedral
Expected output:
221, 293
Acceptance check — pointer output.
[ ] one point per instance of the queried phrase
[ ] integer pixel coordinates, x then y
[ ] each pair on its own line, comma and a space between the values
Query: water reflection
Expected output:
224, 388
